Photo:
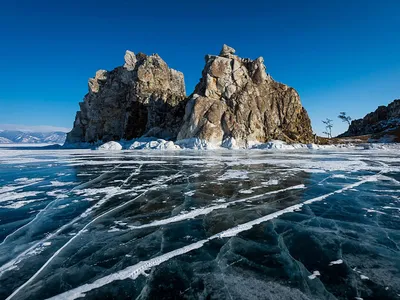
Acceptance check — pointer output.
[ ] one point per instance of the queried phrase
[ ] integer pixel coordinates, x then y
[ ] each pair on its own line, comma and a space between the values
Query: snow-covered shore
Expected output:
149, 143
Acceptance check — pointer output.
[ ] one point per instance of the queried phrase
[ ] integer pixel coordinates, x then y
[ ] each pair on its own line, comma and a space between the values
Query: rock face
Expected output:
235, 104
235, 98
383, 119
144, 97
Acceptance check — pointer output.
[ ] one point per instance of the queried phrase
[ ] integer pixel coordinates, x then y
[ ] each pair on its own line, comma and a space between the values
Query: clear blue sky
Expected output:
339, 55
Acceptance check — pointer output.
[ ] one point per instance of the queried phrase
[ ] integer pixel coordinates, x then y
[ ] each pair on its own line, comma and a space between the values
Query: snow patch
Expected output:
190, 193
147, 143
270, 182
374, 211
234, 174
274, 144
10, 196
19, 204
246, 191
230, 143
110, 146
196, 144
59, 183
390, 207
314, 275
339, 176
336, 262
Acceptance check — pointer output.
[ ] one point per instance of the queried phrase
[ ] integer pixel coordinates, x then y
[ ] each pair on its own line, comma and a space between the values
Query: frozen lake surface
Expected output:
307, 224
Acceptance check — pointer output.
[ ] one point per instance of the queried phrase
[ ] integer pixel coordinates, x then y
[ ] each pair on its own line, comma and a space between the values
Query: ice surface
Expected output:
302, 222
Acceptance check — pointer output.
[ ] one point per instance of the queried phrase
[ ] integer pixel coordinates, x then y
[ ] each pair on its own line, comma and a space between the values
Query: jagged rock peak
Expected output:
144, 96
237, 99
130, 60
231, 72
226, 51
94, 83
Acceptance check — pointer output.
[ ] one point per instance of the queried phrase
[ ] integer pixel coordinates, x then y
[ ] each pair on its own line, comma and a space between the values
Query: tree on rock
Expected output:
344, 117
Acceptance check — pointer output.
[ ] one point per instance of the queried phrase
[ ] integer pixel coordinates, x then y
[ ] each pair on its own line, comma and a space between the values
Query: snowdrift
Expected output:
149, 143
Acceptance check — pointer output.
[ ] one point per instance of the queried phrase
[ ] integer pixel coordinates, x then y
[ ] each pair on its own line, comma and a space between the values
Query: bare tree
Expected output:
344, 117
328, 127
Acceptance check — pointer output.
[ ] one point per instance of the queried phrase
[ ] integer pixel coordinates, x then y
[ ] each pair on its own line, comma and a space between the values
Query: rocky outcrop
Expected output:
144, 97
236, 104
383, 119
236, 100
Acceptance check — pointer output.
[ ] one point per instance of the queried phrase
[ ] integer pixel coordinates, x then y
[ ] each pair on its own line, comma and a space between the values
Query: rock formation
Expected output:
383, 119
235, 104
235, 98
144, 97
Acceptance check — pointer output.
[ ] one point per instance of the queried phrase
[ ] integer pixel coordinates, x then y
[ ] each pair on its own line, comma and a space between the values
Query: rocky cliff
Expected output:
237, 101
383, 120
144, 97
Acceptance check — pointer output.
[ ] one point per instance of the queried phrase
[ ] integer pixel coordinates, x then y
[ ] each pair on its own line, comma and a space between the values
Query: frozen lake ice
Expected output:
301, 224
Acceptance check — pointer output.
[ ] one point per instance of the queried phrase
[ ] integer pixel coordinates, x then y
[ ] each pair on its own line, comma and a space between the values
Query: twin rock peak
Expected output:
235, 102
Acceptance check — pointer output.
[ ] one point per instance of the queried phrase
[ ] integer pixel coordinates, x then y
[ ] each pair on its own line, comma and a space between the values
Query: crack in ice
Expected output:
177, 175
204, 211
134, 271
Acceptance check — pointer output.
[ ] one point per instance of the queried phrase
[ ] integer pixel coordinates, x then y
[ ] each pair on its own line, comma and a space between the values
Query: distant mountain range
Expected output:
24, 137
